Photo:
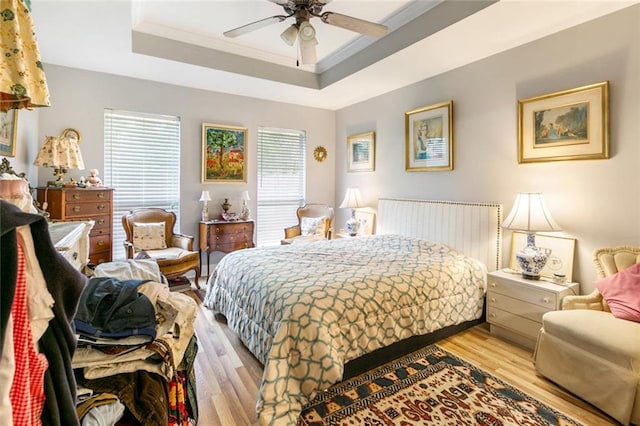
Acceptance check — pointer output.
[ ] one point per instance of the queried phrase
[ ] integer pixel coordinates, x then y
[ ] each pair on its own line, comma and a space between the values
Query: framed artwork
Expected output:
429, 138
361, 152
560, 260
224, 153
568, 125
366, 221
8, 132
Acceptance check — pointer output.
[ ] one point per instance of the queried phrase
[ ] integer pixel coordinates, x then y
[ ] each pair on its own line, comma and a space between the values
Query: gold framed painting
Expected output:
429, 138
560, 261
224, 153
8, 132
361, 152
568, 125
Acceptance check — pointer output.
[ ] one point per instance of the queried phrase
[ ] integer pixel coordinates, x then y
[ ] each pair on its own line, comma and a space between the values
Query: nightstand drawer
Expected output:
518, 307
516, 323
527, 293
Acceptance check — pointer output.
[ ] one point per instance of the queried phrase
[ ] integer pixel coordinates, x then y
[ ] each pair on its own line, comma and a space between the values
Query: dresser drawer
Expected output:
530, 294
101, 257
84, 209
518, 307
233, 229
100, 243
87, 195
518, 324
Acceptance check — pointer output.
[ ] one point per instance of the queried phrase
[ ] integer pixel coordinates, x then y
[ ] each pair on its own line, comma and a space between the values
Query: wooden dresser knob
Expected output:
101, 207
76, 209
76, 196
101, 242
100, 221
100, 194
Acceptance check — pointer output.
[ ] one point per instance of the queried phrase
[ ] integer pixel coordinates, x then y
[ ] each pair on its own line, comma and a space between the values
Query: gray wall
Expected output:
595, 201
78, 100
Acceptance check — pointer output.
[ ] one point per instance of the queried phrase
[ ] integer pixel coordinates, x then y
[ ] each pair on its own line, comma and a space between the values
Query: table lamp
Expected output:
530, 214
352, 200
205, 197
61, 153
246, 214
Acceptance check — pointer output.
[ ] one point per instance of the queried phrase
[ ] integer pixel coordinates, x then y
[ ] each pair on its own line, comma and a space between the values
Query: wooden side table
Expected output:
217, 235
515, 305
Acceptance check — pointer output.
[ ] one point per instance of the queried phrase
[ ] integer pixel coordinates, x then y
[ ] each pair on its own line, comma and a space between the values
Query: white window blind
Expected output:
142, 164
281, 181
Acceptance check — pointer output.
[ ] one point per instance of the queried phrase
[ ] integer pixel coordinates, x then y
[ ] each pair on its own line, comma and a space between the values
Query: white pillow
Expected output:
149, 236
312, 225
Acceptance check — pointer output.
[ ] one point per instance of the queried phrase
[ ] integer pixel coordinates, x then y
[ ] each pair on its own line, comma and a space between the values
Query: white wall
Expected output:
595, 201
78, 100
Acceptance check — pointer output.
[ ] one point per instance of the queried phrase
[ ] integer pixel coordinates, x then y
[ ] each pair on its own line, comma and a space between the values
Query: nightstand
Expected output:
515, 305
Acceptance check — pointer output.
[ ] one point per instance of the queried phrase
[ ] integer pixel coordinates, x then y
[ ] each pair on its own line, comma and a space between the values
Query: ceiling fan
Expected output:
303, 31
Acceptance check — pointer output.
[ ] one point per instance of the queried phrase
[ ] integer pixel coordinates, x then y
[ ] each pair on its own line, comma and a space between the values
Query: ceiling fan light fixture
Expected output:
308, 53
306, 31
290, 34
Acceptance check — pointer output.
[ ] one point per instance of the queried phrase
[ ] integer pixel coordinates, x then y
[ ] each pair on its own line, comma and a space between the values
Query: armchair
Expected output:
314, 224
591, 353
150, 230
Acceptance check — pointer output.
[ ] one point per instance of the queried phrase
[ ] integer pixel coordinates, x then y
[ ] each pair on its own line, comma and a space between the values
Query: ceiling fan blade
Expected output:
354, 24
255, 25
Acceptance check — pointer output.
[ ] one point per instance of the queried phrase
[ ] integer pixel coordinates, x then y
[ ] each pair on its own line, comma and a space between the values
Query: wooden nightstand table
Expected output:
217, 235
515, 305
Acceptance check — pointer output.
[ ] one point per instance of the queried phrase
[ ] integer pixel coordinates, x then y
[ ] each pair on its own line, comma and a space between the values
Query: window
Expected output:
142, 163
281, 181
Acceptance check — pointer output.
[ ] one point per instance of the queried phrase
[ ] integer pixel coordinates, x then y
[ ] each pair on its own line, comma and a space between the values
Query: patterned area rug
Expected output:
428, 387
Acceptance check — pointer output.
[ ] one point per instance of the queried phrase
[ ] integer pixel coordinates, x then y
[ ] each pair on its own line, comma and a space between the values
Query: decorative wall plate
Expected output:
71, 133
320, 153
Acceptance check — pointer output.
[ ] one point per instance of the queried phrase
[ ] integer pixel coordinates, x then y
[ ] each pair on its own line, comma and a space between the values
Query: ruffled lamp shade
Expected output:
61, 153
22, 80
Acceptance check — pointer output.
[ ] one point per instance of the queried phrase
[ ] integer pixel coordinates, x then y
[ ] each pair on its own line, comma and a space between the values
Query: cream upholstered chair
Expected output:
591, 353
150, 230
314, 223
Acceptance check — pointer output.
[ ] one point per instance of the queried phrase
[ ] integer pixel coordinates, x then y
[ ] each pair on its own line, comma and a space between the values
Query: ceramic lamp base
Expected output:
532, 259
352, 224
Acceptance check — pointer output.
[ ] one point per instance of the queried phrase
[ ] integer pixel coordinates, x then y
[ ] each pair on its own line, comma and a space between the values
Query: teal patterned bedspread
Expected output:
304, 310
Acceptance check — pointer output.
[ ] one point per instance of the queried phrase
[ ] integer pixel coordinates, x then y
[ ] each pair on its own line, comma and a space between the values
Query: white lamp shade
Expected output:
205, 196
352, 199
530, 213
245, 196
290, 34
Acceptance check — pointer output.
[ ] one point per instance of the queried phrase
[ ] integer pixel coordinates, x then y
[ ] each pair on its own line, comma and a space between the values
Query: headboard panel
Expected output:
470, 228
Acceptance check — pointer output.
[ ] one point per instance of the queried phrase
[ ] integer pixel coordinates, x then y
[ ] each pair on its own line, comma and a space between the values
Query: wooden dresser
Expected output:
225, 237
95, 204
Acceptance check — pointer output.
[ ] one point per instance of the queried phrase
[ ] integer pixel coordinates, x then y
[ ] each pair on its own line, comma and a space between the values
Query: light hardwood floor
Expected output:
228, 376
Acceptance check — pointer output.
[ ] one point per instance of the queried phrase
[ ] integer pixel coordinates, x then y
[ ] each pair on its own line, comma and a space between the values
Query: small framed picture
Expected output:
568, 125
560, 260
429, 138
224, 153
8, 132
361, 152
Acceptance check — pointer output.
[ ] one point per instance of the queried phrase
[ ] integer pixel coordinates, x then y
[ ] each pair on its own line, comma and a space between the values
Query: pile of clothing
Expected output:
136, 342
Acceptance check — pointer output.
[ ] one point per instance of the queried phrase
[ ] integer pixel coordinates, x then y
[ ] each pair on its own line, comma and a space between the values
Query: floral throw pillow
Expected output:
312, 225
149, 236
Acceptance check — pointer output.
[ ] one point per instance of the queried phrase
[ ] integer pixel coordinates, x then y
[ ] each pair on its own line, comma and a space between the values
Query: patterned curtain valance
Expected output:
22, 80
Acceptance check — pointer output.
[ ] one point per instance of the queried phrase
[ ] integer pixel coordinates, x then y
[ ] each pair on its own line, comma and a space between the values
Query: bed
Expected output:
307, 311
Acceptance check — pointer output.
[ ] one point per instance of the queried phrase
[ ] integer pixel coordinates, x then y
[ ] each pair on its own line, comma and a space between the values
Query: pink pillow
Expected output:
621, 291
